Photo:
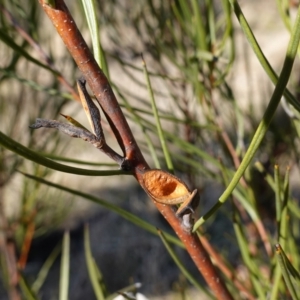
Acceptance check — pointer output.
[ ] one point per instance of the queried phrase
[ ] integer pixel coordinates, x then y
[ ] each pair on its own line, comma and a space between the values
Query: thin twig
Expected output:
102, 90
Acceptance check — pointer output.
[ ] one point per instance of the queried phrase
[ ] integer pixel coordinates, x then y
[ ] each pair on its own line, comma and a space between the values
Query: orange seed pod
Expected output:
168, 189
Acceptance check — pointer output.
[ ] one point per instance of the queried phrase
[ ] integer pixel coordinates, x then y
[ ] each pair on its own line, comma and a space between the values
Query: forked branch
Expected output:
67, 29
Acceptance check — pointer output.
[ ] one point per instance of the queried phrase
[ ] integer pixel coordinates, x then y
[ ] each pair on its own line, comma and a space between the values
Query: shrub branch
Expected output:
67, 29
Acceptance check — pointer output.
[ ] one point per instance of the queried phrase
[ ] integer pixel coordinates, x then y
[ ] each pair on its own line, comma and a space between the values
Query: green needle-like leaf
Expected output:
94, 274
44, 271
9, 42
248, 260
158, 124
21, 150
26, 289
123, 213
265, 122
258, 52
92, 20
65, 268
284, 269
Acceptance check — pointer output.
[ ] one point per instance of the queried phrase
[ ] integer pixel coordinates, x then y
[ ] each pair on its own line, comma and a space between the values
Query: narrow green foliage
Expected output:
199, 28
10, 42
248, 260
276, 280
26, 289
283, 8
138, 120
41, 160
294, 273
94, 273
278, 196
265, 122
92, 20
44, 271
283, 218
65, 268
158, 123
283, 262
76, 161
123, 213
261, 57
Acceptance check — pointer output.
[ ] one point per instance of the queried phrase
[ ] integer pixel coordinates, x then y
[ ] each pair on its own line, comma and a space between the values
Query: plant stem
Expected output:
67, 29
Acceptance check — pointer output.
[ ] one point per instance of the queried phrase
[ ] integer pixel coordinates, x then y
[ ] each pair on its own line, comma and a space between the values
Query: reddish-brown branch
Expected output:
26, 245
67, 29
102, 90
